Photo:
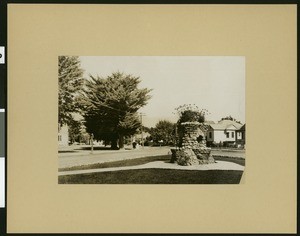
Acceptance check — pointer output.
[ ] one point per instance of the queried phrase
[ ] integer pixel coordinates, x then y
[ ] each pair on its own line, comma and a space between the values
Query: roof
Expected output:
209, 122
224, 124
243, 128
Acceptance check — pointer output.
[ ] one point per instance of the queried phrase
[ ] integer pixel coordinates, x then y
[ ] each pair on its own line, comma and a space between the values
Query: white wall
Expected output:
220, 136
63, 136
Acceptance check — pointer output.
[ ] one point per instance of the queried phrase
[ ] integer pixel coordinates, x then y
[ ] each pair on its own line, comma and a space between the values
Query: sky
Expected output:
215, 83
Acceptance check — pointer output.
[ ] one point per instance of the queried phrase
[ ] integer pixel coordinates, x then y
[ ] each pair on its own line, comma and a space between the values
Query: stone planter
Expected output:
193, 150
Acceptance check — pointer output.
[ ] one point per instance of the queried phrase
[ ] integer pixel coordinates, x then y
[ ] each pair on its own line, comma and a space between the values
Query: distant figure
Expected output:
134, 145
160, 142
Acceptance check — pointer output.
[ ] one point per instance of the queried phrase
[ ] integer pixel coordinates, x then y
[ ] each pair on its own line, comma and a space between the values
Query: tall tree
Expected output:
111, 106
75, 130
164, 130
70, 82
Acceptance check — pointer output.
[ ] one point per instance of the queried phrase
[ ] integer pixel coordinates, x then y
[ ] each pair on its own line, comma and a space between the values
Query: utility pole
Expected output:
92, 143
176, 136
141, 115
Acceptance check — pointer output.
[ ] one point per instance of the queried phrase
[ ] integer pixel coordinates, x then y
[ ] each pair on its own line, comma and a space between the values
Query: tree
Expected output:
227, 118
164, 130
146, 129
70, 82
75, 130
230, 118
190, 113
111, 106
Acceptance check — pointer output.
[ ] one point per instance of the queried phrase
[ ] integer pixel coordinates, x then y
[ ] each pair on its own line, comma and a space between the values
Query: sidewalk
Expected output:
229, 153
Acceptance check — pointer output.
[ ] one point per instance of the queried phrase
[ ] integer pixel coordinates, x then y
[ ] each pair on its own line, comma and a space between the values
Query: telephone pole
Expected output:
92, 143
141, 115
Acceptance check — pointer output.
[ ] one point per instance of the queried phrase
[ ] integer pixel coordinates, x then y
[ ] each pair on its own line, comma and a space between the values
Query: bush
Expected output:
211, 144
146, 143
229, 144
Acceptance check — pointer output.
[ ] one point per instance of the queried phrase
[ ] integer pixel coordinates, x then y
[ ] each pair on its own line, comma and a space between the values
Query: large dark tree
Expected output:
70, 81
111, 106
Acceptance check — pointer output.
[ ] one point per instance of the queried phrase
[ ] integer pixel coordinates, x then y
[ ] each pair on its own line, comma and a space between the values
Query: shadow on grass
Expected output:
95, 148
155, 176
236, 160
66, 151
101, 148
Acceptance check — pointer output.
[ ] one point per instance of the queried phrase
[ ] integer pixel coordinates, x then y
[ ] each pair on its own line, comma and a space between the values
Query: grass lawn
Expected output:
155, 176
132, 162
236, 160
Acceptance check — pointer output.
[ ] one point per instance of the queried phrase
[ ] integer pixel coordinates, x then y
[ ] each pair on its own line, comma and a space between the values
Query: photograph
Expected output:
151, 119
131, 118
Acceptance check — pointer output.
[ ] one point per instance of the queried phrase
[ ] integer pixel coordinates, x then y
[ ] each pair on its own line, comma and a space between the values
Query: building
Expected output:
63, 135
140, 137
241, 135
225, 131
63, 131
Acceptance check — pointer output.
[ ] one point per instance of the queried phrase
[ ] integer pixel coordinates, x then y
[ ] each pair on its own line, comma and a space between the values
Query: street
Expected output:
84, 157
228, 152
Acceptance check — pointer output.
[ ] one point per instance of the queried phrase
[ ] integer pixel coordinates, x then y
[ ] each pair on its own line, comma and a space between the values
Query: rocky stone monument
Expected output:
192, 148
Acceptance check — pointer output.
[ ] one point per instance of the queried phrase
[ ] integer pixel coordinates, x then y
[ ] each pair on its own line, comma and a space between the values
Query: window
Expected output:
59, 137
210, 134
227, 135
232, 134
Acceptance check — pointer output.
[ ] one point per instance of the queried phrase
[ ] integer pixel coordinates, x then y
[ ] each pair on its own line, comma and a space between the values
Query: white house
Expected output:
224, 131
241, 135
63, 131
63, 135
139, 137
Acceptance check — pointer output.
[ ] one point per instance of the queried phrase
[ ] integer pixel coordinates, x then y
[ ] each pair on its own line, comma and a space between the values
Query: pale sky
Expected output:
215, 83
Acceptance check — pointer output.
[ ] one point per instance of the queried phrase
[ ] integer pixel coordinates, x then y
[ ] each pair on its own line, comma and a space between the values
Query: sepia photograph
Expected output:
151, 120
121, 116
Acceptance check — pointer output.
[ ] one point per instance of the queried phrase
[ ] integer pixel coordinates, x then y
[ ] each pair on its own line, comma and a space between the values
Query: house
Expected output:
63, 135
241, 135
225, 131
63, 131
208, 122
140, 137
